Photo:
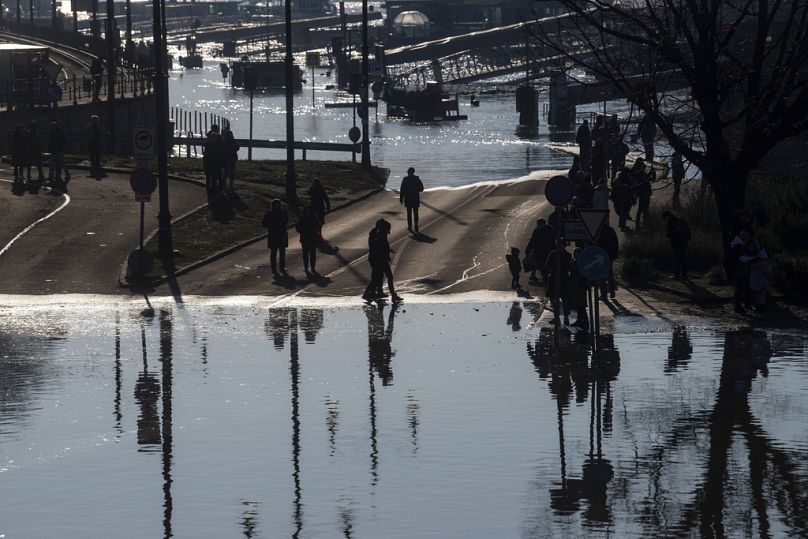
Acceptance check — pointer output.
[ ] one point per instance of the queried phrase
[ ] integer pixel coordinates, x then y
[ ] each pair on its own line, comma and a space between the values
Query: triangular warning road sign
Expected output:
593, 220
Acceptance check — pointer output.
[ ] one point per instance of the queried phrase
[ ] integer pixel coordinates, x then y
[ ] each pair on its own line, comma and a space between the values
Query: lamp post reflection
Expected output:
166, 357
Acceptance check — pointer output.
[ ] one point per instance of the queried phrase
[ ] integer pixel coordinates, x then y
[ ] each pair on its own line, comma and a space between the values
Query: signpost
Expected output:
354, 134
143, 184
250, 83
143, 143
559, 191
312, 61
594, 263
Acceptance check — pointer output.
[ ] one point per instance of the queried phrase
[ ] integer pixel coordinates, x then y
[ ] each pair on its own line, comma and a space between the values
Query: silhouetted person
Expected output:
678, 232
56, 148
410, 196
275, 221
541, 243
320, 204
515, 316
647, 131
213, 160
96, 72
583, 138
231, 149
17, 144
641, 183
308, 225
622, 196
379, 258
617, 155
677, 174
558, 269
577, 292
515, 267
94, 142
607, 240
380, 350
680, 351
33, 151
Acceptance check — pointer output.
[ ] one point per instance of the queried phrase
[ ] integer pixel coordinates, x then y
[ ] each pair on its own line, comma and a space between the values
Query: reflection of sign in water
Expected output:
593, 263
559, 191
143, 143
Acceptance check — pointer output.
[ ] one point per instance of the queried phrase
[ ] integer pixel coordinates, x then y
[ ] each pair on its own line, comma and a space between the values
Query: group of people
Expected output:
750, 269
220, 154
601, 148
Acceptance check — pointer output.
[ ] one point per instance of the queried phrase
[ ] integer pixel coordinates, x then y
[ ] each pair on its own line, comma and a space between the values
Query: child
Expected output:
515, 265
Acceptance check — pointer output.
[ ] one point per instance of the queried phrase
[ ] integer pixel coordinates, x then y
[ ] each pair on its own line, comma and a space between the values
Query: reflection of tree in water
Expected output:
515, 316
380, 349
680, 351
568, 368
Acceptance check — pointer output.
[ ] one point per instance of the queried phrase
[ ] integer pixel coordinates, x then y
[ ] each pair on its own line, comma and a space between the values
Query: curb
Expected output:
225, 252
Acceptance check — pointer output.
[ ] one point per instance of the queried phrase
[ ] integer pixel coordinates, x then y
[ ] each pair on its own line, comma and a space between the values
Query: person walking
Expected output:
17, 144
379, 252
678, 232
647, 131
541, 243
96, 72
607, 240
410, 196
275, 221
515, 267
320, 204
641, 183
622, 196
33, 151
583, 138
617, 154
56, 148
557, 268
231, 149
94, 143
307, 226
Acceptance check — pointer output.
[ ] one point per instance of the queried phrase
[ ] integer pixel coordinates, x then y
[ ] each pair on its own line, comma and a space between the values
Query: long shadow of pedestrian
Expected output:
286, 281
327, 249
224, 209
423, 238
18, 188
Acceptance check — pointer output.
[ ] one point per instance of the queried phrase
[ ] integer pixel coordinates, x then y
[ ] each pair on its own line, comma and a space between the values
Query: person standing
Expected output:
56, 148
379, 252
622, 196
541, 243
320, 204
515, 267
647, 131
607, 240
678, 232
94, 142
33, 151
557, 268
641, 183
583, 137
275, 221
213, 160
618, 154
307, 225
96, 72
17, 144
410, 196
231, 149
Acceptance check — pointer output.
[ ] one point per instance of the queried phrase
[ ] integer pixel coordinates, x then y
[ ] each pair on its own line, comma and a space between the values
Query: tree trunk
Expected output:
729, 188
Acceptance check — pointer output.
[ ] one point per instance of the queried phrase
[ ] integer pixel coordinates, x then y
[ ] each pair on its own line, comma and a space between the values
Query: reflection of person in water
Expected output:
277, 325
680, 351
515, 316
380, 350
311, 322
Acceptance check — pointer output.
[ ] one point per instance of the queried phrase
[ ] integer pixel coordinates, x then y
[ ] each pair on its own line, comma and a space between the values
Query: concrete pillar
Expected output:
562, 112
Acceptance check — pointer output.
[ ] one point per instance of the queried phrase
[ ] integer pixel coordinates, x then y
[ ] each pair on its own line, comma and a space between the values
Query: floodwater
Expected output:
430, 420
484, 147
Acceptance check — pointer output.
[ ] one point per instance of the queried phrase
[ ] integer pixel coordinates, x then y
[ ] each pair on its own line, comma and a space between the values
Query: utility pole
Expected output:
53, 14
94, 29
291, 178
111, 64
364, 88
128, 24
166, 245
31, 12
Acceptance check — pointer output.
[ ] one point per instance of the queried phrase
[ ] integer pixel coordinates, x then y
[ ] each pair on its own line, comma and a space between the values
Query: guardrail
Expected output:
190, 141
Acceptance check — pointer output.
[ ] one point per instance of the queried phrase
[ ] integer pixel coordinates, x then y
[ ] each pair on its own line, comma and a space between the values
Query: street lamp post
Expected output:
291, 178
364, 88
165, 242
111, 64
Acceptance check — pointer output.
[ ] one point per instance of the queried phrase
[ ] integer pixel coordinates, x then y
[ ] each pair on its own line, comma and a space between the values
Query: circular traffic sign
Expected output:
593, 263
143, 181
354, 134
559, 191
143, 139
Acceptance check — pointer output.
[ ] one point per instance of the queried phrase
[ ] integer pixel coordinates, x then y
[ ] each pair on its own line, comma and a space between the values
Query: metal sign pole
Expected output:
249, 147
313, 106
557, 280
142, 213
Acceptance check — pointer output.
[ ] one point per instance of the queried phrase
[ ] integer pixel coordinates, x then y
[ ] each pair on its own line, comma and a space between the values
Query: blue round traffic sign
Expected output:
593, 262
559, 191
143, 181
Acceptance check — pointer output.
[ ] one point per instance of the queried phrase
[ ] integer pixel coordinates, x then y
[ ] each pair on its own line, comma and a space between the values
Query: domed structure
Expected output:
411, 24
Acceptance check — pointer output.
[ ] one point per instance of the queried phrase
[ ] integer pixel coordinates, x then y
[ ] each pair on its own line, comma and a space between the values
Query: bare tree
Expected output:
743, 61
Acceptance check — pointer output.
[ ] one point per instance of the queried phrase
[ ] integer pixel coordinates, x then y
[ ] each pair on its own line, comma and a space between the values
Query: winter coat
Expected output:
378, 248
275, 222
33, 149
677, 230
410, 192
607, 240
307, 227
56, 141
320, 203
541, 243
550, 265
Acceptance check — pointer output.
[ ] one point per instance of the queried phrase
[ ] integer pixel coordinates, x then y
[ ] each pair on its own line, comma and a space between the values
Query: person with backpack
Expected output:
678, 232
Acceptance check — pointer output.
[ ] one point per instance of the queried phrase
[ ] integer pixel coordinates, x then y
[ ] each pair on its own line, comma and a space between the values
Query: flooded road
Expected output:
234, 418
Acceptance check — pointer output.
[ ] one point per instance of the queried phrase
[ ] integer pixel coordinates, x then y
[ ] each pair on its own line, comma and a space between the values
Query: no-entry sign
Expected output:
559, 191
143, 183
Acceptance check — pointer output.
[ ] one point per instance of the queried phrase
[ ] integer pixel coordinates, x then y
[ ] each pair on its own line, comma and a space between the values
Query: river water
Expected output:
238, 418
484, 147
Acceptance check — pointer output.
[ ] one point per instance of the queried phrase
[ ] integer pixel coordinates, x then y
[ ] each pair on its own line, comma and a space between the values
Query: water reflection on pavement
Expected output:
453, 420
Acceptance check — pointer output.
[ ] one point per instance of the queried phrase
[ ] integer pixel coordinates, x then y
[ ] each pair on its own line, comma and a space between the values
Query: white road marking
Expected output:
35, 223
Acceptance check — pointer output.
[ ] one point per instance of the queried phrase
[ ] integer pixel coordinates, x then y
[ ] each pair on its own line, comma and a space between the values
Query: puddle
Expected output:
429, 420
